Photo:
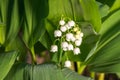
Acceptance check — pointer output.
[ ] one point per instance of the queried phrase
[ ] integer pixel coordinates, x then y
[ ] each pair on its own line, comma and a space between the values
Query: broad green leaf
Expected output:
16, 72
107, 53
35, 12
12, 23
108, 2
91, 13
6, 61
115, 6
71, 75
2, 33
47, 71
4, 10
110, 23
89, 40
103, 9
18, 45
110, 68
46, 40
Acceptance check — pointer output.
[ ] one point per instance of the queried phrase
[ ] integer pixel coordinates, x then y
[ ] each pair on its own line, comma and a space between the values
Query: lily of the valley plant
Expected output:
40, 39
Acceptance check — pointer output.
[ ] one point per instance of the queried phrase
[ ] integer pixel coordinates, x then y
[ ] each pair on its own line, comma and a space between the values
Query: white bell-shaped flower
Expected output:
54, 48
78, 42
69, 36
63, 28
76, 51
71, 23
67, 63
81, 34
62, 22
70, 47
65, 49
64, 44
68, 26
57, 33
73, 39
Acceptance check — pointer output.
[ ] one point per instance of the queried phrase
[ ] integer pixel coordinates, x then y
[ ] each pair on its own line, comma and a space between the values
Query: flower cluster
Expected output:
70, 37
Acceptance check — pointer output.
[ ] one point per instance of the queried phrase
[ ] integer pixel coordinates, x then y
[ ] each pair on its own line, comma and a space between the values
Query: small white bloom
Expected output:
78, 42
65, 49
54, 48
61, 22
57, 33
71, 23
81, 34
64, 44
69, 36
67, 63
68, 26
70, 47
73, 39
63, 28
76, 51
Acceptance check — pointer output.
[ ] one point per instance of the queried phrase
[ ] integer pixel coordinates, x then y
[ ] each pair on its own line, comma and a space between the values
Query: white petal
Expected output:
62, 22
70, 47
65, 49
57, 33
73, 39
71, 23
63, 28
81, 34
67, 63
54, 48
76, 51
78, 42
68, 26
64, 44
69, 36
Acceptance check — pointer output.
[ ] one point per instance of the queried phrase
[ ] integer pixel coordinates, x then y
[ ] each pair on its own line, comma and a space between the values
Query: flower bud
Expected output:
78, 32
57, 33
54, 48
75, 29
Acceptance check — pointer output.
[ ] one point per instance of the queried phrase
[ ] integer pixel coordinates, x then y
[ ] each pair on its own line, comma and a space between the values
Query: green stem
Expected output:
92, 74
80, 67
61, 51
33, 55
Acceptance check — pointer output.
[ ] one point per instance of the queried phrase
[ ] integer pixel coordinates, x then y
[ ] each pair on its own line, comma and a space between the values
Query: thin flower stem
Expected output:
33, 55
61, 52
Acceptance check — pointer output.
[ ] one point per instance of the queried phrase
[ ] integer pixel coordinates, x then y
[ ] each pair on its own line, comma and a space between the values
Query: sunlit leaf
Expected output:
6, 61
91, 13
